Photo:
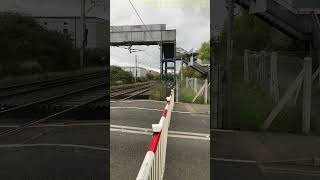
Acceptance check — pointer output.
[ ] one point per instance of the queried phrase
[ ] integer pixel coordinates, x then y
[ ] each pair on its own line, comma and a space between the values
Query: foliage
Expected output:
250, 106
97, 57
251, 114
117, 74
204, 51
250, 32
149, 76
189, 72
187, 95
158, 92
24, 41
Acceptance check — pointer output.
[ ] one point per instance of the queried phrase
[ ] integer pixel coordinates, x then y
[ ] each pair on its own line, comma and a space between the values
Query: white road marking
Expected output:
272, 169
58, 145
58, 125
235, 160
150, 109
148, 131
291, 171
231, 131
146, 100
140, 100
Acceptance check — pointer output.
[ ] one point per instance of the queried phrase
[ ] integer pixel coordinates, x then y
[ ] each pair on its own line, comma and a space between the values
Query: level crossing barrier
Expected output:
153, 165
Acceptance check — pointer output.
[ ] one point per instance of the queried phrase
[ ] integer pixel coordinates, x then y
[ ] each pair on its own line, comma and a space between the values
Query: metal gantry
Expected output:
155, 34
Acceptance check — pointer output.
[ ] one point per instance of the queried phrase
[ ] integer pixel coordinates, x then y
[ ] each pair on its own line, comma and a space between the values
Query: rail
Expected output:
153, 165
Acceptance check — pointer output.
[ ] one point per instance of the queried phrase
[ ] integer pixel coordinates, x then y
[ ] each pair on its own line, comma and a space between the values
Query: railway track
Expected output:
81, 95
15, 96
130, 91
24, 88
70, 105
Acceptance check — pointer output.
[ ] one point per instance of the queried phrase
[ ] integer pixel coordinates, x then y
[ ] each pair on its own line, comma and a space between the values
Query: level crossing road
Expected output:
188, 150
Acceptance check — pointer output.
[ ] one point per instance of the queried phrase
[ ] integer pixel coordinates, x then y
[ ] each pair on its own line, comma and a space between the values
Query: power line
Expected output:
140, 19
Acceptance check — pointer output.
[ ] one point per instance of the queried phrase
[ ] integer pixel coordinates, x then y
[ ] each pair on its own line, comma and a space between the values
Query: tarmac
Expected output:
187, 157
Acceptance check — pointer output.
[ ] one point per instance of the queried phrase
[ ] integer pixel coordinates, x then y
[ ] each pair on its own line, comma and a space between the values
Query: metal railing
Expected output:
153, 165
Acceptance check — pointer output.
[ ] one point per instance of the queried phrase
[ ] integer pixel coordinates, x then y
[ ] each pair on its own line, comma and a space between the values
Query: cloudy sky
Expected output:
192, 25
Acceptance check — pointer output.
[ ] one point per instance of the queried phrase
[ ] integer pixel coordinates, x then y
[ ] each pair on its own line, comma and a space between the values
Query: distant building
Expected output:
141, 72
97, 29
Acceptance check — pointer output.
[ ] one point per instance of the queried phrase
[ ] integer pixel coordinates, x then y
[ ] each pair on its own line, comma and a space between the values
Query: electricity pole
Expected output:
228, 68
83, 32
135, 77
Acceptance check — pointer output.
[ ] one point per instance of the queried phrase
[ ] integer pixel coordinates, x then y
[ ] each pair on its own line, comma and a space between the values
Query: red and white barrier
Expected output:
153, 165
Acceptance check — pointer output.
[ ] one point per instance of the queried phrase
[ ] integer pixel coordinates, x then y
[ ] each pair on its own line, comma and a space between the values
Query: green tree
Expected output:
149, 76
189, 72
24, 41
117, 75
250, 32
204, 51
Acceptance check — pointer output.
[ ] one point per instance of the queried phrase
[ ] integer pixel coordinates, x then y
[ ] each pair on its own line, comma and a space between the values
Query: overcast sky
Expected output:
191, 23
192, 26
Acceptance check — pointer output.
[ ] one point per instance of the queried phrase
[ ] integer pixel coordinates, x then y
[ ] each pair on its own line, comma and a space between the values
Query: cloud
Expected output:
192, 26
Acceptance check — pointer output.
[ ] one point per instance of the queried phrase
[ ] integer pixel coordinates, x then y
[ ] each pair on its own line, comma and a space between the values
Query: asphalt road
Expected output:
73, 150
265, 156
185, 158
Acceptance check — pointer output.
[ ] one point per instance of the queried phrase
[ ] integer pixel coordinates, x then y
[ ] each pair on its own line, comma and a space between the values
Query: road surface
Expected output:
187, 156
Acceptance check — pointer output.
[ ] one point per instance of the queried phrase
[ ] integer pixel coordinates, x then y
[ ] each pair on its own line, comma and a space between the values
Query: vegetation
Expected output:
158, 93
250, 106
28, 48
97, 57
187, 95
252, 33
204, 51
189, 72
119, 76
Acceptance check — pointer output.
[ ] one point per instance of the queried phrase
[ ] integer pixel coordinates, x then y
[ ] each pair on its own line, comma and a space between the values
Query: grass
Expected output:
187, 95
251, 107
158, 93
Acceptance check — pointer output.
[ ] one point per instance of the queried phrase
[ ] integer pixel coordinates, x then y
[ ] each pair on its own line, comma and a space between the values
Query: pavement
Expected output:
264, 155
187, 157
69, 150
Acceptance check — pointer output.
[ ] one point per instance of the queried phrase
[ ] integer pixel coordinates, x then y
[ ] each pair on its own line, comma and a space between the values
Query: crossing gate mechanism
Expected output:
153, 165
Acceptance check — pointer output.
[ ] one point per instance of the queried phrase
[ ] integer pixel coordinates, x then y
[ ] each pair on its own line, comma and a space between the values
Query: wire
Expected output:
140, 19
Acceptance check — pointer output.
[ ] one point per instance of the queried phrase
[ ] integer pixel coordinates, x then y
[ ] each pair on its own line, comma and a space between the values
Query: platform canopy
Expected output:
141, 35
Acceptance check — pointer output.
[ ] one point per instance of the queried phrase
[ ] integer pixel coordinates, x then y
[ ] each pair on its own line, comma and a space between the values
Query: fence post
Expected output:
307, 86
206, 91
195, 87
187, 81
274, 85
177, 92
246, 66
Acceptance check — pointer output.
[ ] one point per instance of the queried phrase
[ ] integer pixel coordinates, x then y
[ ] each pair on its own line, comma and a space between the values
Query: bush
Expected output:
117, 74
96, 57
24, 41
187, 95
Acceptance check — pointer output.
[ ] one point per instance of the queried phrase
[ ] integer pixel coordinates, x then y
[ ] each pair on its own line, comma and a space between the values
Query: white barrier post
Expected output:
153, 165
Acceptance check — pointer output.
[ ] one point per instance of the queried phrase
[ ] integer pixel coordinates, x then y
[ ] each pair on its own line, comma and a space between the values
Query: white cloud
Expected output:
192, 26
